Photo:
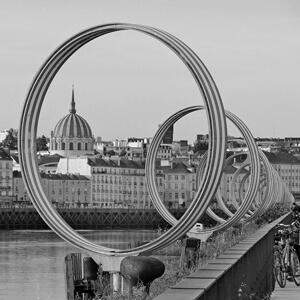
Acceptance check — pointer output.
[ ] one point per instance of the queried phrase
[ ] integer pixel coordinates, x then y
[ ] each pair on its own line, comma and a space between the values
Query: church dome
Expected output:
72, 135
72, 125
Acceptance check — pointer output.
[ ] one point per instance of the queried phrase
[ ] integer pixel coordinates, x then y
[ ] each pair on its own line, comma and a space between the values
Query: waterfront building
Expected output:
6, 178
288, 168
61, 189
180, 184
226, 185
72, 135
120, 182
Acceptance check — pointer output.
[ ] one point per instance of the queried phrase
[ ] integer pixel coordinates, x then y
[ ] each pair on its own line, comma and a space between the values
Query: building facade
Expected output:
180, 184
6, 177
71, 190
121, 183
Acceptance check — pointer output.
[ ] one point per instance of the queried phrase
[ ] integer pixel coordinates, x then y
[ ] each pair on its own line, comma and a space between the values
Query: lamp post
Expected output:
78, 199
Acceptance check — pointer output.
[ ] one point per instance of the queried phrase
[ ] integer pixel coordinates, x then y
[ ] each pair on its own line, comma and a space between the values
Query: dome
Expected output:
72, 135
72, 125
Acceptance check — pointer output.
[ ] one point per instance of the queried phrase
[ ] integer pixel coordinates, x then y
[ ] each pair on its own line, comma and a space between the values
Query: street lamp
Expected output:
78, 200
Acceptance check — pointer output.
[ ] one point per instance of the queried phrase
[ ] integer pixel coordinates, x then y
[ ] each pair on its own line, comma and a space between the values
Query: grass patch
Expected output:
216, 245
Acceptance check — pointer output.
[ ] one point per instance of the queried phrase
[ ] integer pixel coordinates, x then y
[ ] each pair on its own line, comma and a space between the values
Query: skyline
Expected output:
126, 83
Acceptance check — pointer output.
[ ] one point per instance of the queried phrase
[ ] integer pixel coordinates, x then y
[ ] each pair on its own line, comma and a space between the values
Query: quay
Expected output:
245, 271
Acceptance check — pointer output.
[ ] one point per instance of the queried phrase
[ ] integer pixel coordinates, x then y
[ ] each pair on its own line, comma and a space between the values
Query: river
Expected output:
32, 262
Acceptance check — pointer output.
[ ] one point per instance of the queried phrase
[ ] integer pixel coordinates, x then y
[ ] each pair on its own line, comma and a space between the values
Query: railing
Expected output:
242, 272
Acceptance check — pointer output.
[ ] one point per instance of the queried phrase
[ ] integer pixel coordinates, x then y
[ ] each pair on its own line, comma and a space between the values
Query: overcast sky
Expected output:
126, 83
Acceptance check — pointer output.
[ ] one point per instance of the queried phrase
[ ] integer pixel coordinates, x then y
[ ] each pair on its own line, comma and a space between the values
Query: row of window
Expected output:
80, 146
176, 177
115, 197
67, 182
119, 171
5, 165
176, 196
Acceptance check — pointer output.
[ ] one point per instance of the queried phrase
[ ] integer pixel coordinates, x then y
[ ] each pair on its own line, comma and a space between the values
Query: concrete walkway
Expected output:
289, 292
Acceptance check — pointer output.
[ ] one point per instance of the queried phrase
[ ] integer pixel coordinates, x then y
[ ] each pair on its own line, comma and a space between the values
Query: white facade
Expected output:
74, 165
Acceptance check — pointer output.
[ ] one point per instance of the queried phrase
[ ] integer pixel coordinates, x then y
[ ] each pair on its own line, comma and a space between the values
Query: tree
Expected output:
11, 140
200, 145
123, 153
41, 143
111, 153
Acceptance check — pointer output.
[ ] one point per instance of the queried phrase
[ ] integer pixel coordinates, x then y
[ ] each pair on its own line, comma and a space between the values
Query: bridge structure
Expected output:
263, 190
87, 218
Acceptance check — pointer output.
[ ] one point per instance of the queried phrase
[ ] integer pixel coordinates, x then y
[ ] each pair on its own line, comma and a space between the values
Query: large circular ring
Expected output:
29, 123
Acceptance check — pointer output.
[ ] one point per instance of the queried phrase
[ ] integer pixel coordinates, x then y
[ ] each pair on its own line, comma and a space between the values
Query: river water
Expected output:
32, 262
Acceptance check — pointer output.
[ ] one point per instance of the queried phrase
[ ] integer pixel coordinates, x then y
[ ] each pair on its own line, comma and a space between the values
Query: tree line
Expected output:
11, 141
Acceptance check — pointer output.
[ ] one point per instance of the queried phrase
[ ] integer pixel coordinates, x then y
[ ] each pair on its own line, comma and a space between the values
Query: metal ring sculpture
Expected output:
29, 123
245, 210
150, 171
257, 208
268, 180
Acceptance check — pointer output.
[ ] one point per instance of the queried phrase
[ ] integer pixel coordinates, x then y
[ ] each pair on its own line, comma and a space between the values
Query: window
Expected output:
71, 146
79, 146
63, 146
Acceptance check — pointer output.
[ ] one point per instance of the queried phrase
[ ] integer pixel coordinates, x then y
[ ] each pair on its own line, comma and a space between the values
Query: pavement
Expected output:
289, 292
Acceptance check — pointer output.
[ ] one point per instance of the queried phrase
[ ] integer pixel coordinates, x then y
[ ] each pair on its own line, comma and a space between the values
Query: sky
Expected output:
127, 83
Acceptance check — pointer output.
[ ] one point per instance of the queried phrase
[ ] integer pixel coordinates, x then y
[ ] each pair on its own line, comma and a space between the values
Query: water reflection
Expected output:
32, 262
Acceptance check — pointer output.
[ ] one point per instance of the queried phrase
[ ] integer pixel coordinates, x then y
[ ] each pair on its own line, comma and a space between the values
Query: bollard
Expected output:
144, 269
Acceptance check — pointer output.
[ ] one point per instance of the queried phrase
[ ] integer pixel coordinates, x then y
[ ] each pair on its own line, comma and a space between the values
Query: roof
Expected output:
4, 155
179, 167
281, 158
75, 177
116, 163
49, 159
15, 158
72, 125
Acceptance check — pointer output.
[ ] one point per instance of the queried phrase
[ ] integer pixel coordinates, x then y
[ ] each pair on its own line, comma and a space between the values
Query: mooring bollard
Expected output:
144, 269
190, 252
